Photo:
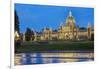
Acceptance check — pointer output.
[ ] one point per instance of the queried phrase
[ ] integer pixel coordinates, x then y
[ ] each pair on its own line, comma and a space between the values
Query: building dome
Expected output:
70, 21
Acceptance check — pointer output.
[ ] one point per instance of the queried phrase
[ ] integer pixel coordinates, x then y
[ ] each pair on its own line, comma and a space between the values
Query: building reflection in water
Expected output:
45, 58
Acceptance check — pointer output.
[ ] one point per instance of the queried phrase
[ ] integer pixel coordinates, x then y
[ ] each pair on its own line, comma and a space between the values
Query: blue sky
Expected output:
38, 17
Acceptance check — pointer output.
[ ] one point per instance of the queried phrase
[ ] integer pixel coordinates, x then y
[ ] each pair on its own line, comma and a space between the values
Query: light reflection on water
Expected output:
44, 58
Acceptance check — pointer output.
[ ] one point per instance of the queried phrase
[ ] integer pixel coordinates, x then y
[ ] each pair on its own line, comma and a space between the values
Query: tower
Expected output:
77, 33
89, 31
35, 36
47, 33
70, 13
50, 34
23, 36
70, 22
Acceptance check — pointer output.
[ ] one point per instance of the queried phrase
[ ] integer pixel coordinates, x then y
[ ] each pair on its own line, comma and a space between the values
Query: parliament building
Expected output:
69, 31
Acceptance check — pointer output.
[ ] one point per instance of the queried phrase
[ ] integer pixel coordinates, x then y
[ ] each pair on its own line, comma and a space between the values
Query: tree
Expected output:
29, 34
33, 37
16, 22
16, 28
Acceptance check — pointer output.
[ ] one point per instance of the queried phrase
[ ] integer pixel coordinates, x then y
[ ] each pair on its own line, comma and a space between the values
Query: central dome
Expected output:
70, 21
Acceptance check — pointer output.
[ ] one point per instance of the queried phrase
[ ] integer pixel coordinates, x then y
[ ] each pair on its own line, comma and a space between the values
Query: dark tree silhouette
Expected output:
16, 28
16, 22
29, 34
32, 35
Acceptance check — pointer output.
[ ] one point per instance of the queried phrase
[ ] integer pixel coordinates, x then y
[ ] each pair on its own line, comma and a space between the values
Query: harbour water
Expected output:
52, 57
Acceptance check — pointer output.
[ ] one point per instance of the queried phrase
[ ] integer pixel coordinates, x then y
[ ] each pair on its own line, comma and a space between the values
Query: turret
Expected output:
89, 31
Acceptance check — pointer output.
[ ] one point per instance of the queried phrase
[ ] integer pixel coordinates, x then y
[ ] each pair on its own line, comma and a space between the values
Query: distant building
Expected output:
65, 32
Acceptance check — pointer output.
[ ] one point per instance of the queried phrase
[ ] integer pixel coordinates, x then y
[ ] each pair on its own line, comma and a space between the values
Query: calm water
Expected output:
44, 58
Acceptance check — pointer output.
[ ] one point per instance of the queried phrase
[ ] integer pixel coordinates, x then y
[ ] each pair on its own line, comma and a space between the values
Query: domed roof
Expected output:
70, 21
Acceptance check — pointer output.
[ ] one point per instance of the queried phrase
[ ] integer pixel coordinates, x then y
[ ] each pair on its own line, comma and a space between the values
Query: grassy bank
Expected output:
54, 46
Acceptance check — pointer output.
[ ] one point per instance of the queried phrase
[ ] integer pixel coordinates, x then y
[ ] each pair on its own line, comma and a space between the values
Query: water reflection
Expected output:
43, 58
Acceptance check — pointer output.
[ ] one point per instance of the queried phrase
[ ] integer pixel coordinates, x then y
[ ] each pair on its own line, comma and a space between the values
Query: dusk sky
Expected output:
38, 17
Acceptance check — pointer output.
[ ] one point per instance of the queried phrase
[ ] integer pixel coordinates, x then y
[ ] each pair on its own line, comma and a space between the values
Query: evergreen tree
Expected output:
33, 37
29, 34
16, 22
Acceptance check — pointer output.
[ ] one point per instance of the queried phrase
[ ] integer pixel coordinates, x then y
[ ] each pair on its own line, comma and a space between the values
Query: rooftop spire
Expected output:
70, 13
61, 24
89, 25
